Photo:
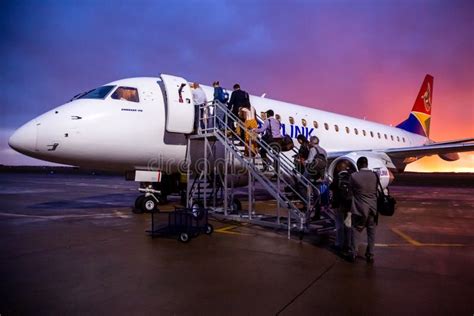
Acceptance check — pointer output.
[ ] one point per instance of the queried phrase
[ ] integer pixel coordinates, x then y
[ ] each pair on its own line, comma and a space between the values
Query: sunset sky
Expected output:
359, 58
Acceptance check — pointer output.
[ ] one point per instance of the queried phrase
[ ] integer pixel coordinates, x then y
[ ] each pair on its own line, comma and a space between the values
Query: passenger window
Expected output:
126, 93
315, 124
391, 136
398, 139
292, 120
303, 121
326, 126
347, 130
263, 115
378, 135
403, 138
336, 128
371, 134
278, 117
356, 131
363, 132
385, 135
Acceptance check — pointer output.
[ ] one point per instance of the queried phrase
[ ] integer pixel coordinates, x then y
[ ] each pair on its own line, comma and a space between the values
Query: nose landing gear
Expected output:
148, 202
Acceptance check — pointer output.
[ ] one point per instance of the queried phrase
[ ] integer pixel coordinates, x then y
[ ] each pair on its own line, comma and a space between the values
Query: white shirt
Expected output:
199, 96
249, 114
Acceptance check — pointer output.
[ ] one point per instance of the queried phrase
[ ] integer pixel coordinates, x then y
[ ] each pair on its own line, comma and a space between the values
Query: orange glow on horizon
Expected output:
436, 164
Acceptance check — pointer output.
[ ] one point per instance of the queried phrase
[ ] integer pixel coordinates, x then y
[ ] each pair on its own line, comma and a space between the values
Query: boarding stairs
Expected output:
282, 181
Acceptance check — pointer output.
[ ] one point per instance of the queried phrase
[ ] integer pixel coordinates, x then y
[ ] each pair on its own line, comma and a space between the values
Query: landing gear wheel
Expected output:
184, 237
149, 204
196, 210
209, 229
138, 205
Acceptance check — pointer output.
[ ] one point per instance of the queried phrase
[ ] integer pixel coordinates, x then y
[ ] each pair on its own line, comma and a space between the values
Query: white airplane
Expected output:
141, 124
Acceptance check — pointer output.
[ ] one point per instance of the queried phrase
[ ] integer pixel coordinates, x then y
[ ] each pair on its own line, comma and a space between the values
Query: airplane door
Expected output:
179, 103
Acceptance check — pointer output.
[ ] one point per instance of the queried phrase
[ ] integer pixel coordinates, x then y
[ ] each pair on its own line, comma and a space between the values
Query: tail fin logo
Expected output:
418, 121
427, 98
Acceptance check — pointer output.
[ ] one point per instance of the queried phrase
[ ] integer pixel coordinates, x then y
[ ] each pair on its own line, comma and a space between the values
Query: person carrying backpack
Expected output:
315, 164
342, 202
303, 153
219, 93
221, 96
315, 171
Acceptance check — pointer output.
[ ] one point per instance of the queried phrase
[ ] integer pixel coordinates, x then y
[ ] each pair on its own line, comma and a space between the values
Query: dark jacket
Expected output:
338, 200
239, 98
220, 95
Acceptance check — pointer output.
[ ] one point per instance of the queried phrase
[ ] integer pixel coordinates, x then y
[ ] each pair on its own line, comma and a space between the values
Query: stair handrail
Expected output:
274, 155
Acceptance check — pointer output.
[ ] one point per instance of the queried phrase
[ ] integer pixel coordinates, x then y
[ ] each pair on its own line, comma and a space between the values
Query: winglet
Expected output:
420, 117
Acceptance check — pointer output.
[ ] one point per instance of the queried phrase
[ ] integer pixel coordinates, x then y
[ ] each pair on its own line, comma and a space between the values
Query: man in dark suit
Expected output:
364, 206
238, 99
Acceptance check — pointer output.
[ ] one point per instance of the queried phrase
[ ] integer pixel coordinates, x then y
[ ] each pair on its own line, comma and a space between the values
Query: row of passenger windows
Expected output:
121, 93
346, 128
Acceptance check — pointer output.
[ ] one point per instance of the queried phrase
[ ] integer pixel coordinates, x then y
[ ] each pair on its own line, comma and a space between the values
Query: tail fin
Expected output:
420, 117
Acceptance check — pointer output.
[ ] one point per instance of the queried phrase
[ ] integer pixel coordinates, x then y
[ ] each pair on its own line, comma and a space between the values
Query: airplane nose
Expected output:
23, 139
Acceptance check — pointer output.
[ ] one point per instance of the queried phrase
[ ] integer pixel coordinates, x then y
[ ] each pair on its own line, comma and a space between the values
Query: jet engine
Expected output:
449, 156
378, 162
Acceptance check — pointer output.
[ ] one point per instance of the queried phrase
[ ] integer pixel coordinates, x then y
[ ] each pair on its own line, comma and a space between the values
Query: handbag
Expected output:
287, 143
385, 202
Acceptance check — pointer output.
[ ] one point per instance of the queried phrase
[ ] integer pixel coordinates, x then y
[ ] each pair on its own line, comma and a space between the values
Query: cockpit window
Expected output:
99, 93
126, 93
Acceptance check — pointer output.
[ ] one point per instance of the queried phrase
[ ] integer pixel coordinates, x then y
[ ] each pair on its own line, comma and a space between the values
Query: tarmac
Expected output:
69, 244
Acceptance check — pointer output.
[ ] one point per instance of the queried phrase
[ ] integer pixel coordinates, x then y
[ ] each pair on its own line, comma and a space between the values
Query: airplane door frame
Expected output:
179, 106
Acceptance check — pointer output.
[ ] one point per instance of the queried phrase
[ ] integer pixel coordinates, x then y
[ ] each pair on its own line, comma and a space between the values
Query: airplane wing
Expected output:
430, 149
435, 148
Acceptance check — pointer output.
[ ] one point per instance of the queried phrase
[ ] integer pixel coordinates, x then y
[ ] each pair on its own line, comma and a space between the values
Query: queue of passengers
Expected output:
354, 194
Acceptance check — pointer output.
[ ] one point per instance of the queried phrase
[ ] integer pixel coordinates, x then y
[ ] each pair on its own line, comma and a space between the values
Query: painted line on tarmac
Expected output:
406, 237
227, 230
416, 243
392, 245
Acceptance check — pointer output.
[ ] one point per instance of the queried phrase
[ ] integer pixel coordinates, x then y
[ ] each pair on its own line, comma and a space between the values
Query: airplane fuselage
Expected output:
121, 135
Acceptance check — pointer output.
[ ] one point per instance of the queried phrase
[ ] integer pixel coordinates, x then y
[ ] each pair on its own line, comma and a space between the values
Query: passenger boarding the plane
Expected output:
315, 165
200, 100
271, 135
250, 123
219, 96
315, 171
239, 98
303, 153
342, 203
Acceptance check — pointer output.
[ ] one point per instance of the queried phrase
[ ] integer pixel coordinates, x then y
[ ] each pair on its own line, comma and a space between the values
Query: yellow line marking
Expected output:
406, 237
391, 245
417, 243
226, 230
443, 245
231, 233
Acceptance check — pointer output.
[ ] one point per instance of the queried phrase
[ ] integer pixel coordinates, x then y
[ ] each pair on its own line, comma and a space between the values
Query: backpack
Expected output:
222, 95
344, 186
317, 167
